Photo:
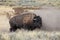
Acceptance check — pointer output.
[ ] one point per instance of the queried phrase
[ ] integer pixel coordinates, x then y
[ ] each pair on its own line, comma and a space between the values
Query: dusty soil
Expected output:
50, 17
4, 21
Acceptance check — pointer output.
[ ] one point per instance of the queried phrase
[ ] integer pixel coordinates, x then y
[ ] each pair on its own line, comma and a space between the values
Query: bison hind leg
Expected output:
13, 29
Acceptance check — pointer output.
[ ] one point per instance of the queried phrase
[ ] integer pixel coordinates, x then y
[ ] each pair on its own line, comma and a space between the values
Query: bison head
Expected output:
37, 22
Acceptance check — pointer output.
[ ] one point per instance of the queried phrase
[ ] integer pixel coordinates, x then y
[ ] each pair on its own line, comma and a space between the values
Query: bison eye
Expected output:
35, 20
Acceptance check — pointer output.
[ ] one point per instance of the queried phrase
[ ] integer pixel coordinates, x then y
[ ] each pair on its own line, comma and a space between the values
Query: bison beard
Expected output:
27, 21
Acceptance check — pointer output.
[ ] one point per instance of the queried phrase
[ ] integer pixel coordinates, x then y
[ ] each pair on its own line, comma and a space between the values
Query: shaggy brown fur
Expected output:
22, 21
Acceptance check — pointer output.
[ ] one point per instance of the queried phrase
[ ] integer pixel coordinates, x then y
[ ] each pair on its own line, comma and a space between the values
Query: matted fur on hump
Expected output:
28, 17
24, 18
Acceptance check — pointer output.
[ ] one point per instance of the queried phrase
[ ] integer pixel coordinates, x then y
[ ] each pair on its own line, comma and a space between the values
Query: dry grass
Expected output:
30, 35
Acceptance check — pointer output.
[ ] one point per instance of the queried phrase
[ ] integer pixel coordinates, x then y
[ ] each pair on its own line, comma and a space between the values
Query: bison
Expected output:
29, 21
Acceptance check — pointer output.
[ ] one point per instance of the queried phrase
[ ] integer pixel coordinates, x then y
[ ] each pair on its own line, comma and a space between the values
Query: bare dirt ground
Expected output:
50, 17
4, 21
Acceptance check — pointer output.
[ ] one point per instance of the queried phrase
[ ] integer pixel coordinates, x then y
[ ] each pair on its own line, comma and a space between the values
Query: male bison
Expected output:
28, 21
